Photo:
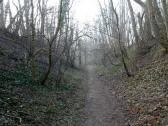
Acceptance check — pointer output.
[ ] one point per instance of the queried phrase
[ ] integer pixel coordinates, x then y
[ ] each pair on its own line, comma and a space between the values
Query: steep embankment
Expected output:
25, 102
146, 94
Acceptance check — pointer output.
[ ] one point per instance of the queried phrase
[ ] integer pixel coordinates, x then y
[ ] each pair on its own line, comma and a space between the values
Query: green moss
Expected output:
160, 53
102, 70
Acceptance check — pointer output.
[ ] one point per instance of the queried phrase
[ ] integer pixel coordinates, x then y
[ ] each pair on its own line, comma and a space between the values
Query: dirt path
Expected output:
102, 107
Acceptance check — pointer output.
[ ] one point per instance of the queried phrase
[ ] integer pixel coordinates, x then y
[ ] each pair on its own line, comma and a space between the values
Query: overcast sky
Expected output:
85, 11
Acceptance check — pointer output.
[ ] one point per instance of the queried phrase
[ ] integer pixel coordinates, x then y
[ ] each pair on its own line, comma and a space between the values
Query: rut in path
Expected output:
102, 107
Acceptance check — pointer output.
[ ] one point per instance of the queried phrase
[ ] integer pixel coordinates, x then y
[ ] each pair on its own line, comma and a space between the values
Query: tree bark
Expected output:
165, 11
133, 23
159, 32
33, 64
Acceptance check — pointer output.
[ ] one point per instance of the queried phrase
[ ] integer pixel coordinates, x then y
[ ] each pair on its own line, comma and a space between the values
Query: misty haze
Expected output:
83, 63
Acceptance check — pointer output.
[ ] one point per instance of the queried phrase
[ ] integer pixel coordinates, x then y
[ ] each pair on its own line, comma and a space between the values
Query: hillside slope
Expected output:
146, 94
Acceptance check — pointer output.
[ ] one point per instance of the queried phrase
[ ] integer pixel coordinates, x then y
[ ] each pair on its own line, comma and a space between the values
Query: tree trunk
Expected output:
158, 31
133, 23
2, 23
51, 42
165, 11
33, 64
49, 66
119, 42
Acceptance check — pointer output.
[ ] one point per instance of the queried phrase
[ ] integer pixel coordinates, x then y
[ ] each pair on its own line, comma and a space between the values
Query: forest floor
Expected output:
102, 107
24, 102
143, 97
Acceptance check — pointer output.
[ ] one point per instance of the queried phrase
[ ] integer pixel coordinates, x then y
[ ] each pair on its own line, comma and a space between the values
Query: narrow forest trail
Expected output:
102, 107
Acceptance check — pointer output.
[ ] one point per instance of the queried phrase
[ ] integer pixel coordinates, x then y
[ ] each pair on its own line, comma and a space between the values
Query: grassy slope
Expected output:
25, 102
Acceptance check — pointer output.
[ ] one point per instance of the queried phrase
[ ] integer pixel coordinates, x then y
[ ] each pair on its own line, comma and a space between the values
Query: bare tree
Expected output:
115, 31
137, 40
119, 41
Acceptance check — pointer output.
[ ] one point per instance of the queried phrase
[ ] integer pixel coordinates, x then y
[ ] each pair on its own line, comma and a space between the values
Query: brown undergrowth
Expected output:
146, 95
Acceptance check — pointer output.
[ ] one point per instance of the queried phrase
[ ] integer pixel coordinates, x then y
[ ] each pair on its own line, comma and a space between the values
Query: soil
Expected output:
102, 106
